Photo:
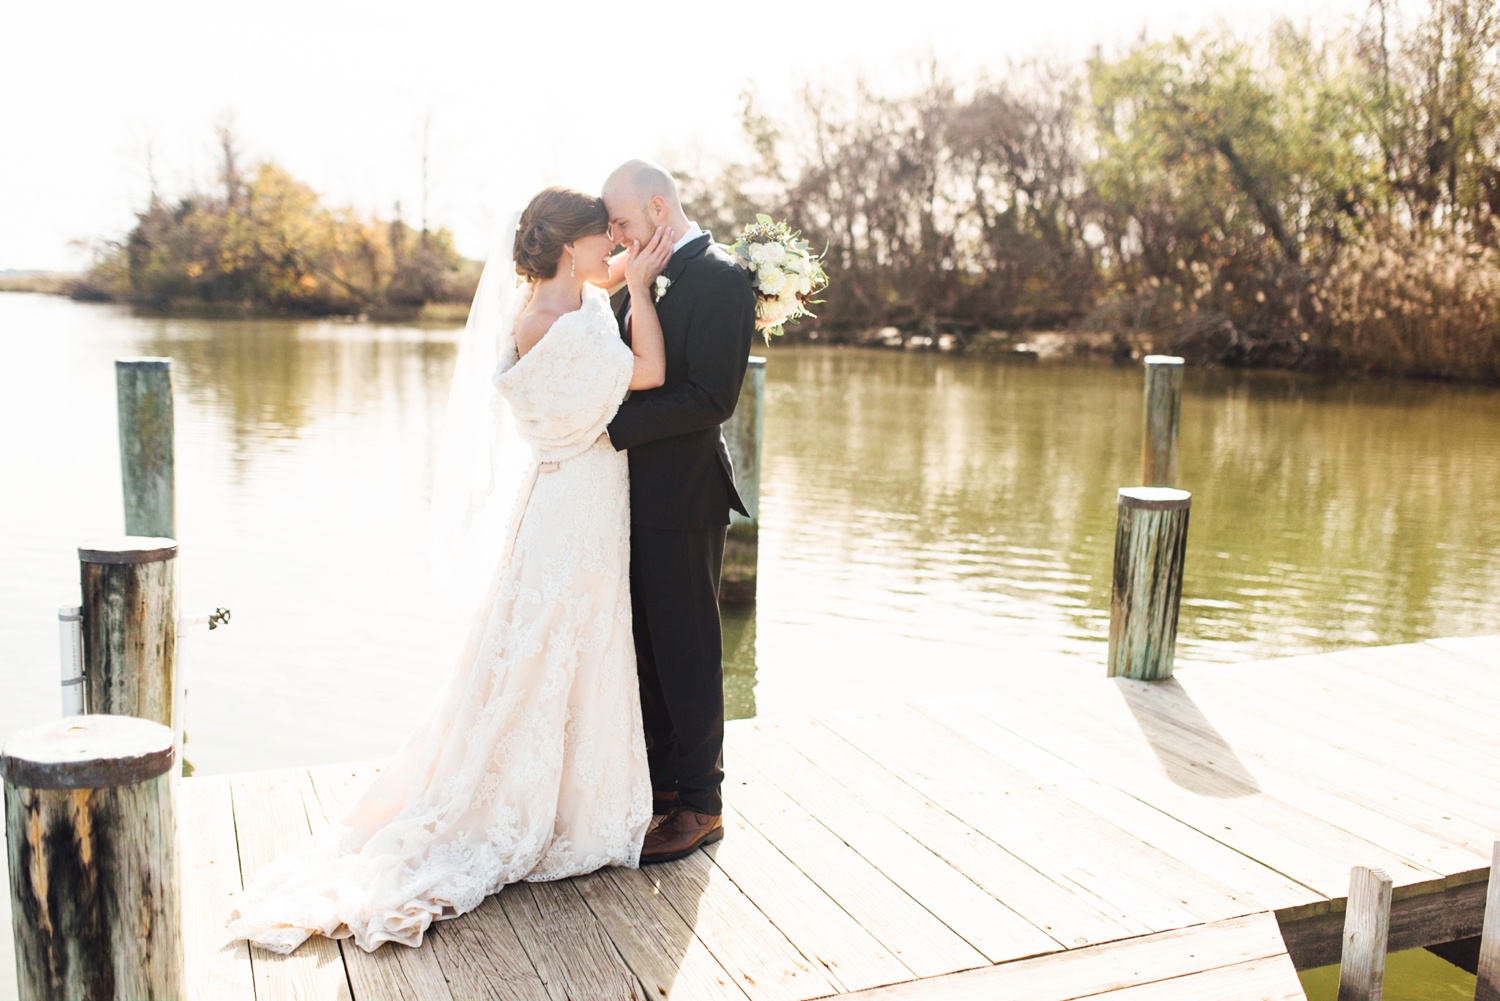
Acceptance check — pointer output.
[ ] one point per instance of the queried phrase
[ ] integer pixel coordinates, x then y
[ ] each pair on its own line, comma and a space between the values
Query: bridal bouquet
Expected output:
784, 273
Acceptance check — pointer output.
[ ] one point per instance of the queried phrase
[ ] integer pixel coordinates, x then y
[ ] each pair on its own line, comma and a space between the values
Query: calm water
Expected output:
929, 525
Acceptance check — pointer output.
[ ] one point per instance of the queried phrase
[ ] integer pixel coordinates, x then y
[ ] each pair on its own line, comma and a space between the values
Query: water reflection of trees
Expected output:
1325, 513
273, 378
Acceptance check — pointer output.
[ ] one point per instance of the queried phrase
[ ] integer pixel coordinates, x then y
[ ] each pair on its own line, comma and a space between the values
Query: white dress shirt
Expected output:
694, 231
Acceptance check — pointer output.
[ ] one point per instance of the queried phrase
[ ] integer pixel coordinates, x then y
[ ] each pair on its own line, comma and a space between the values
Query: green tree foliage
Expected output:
265, 242
1226, 177
1215, 196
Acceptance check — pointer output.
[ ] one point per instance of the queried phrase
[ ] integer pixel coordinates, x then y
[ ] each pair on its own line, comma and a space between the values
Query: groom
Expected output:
681, 492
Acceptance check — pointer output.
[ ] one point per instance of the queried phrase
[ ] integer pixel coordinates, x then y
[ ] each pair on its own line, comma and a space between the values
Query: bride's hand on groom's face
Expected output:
643, 264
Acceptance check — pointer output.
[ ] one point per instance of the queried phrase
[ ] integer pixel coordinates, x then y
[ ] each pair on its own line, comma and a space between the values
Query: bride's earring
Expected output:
573, 265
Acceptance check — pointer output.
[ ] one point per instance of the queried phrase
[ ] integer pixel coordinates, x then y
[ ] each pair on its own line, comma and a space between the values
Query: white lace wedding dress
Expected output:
532, 764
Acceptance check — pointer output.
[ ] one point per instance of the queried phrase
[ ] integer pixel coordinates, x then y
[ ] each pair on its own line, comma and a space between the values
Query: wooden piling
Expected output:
1150, 545
1367, 925
1162, 412
742, 435
143, 389
130, 627
95, 888
1487, 987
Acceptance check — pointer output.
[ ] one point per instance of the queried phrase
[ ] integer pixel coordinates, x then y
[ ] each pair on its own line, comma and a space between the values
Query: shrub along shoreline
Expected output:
1288, 200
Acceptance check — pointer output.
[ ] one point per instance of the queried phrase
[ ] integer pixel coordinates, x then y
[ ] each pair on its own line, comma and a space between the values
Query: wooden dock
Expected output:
1180, 839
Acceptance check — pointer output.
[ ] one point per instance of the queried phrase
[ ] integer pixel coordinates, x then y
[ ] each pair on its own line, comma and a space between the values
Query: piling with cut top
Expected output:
1487, 985
130, 627
95, 886
1367, 926
742, 435
143, 388
1161, 414
1150, 550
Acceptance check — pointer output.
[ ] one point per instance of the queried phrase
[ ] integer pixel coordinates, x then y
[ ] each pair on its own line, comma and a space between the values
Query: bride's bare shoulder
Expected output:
532, 326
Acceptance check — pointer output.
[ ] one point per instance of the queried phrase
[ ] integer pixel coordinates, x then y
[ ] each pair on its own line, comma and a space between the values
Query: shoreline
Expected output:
1021, 347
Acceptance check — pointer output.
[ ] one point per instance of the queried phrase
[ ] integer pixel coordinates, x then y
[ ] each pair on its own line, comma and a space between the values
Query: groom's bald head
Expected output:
640, 196
645, 180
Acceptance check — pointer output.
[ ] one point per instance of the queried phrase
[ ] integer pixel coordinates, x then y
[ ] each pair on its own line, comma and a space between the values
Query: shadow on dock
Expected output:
1191, 751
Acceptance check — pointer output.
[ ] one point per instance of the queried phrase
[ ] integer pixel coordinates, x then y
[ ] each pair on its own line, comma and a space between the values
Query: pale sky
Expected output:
519, 95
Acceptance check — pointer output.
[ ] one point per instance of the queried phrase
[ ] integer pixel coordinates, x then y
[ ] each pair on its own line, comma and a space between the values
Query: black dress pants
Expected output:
679, 649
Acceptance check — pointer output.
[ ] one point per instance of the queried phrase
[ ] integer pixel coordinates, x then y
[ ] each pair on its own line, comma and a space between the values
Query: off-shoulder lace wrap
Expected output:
531, 764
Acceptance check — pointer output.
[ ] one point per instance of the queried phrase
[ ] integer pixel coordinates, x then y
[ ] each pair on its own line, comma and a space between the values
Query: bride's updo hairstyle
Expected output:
555, 217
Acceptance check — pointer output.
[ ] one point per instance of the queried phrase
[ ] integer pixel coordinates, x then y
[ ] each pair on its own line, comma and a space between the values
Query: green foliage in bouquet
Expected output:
785, 273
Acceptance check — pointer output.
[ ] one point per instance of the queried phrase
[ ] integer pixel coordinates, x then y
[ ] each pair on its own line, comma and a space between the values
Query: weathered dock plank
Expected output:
1250, 883
1049, 906
1201, 799
661, 949
397, 974
1240, 958
851, 957
270, 818
482, 956
760, 958
1165, 745
1372, 736
974, 915
908, 931
1121, 840
1403, 785
567, 946
1484, 650
1316, 780
1098, 858
217, 969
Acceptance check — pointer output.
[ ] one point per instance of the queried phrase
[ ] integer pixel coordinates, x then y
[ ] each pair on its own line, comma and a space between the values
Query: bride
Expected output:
531, 764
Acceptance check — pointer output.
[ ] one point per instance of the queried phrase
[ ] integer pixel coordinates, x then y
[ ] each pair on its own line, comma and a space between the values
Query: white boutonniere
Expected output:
660, 288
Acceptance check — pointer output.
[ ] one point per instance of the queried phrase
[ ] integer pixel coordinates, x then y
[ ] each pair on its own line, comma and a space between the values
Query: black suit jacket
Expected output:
680, 473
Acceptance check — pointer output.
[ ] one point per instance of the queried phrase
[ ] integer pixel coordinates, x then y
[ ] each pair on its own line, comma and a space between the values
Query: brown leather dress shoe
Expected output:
681, 832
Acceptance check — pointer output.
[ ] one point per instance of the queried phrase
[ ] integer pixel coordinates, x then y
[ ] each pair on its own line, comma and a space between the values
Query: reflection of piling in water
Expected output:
739, 662
130, 627
147, 466
95, 890
1163, 410
742, 434
1150, 544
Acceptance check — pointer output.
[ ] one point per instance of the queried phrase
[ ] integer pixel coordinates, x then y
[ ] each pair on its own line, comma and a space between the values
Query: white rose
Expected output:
772, 280
775, 253
804, 285
796, 264
758, 253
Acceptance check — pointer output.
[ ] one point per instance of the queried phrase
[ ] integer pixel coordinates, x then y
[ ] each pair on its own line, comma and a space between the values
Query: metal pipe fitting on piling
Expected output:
70, 656
213, 620
1150, 549
95, 885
